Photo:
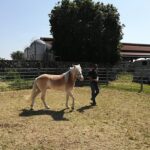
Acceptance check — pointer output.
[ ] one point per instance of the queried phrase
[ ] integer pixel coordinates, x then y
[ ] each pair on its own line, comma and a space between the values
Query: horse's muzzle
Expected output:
81, 78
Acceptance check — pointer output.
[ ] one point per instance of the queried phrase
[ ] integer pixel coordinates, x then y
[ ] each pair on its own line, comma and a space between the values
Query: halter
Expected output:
78, 75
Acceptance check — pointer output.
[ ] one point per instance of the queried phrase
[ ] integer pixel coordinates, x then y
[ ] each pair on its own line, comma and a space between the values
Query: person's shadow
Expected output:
82, 109
56, 115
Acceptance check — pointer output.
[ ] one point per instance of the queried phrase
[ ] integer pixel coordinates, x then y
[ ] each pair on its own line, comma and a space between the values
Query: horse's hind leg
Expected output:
43, 99
33, 97
67, 98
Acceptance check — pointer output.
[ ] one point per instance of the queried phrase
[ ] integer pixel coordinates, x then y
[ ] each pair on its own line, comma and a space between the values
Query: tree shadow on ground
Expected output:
56, 115
82, 109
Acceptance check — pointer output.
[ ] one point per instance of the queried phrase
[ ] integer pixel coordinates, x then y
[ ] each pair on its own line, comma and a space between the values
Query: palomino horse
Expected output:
65, 82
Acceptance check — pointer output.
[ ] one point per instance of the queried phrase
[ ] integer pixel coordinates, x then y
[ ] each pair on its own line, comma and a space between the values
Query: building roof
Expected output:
135, 50
47, 40
135, 47
133, 54
39, 41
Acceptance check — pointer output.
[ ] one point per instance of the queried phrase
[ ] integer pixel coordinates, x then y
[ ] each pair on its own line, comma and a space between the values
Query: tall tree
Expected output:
18, 55
86, 31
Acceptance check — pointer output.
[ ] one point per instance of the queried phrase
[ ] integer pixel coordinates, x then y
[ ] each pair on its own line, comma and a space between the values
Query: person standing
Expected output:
93, 77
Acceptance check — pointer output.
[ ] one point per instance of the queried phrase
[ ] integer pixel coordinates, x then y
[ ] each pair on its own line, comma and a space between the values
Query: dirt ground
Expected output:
120, 121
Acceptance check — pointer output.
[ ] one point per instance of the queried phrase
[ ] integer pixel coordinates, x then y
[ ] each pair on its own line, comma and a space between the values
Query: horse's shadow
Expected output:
82, 109
56, 115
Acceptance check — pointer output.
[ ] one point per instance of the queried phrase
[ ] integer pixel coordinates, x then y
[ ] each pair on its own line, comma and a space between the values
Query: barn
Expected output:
37, 49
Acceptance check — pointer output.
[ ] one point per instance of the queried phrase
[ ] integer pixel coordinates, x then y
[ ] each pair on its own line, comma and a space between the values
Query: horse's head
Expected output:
78, 72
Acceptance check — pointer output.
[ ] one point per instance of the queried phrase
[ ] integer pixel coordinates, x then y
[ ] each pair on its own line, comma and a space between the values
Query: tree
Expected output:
86, 31
18, 55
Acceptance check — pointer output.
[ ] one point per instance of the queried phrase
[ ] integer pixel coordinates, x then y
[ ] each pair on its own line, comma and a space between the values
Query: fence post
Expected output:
107, 76
141, 82
38, 71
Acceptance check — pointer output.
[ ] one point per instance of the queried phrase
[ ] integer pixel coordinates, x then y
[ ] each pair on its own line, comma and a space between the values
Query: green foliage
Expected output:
12, 74
86, 31
13, 80
13, 77
18, 55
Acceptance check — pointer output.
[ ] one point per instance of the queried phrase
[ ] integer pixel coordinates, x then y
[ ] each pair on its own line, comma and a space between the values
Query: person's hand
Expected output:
96, 79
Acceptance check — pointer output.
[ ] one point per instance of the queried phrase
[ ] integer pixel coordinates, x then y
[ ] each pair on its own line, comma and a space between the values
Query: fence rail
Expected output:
22, 78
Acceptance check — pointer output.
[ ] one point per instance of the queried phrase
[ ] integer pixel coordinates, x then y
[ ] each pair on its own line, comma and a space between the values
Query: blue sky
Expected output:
22, 21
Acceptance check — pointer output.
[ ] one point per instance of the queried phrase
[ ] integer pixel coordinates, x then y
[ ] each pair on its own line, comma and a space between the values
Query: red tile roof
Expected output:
135, 50
135, 47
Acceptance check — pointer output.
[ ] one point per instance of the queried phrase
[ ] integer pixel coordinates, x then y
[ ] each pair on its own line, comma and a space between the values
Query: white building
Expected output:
37, 50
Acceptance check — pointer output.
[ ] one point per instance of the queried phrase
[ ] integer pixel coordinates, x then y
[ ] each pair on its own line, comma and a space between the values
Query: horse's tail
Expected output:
34, 89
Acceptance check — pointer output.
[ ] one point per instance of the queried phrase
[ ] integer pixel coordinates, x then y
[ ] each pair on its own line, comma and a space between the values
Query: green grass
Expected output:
124, 83
16, 84
120, 121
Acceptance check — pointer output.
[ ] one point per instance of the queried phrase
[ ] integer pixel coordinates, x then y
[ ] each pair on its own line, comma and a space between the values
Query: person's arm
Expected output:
96, 79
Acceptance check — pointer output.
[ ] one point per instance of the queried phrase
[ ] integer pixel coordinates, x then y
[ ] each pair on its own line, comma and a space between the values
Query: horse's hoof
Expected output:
47, 107
71, 110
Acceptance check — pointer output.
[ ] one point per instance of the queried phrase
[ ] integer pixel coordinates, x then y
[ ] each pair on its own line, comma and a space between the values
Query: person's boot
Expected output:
93, 103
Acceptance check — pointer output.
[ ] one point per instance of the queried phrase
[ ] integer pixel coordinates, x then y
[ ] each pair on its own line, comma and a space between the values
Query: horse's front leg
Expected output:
67, 98
70, 94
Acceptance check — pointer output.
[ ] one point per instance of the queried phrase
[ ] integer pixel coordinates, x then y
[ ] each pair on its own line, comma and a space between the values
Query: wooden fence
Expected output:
22, 78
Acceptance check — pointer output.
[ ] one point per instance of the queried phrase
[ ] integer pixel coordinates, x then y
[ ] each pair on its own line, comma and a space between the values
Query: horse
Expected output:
64, 82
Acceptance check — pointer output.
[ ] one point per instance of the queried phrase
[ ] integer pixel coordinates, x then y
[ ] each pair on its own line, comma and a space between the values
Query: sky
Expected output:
22, 21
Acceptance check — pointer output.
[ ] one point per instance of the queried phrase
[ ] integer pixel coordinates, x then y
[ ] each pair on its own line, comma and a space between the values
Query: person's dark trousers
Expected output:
94, 90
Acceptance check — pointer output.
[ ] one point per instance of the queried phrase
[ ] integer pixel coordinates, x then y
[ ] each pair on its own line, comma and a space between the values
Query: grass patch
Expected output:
16, 84
124, 82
